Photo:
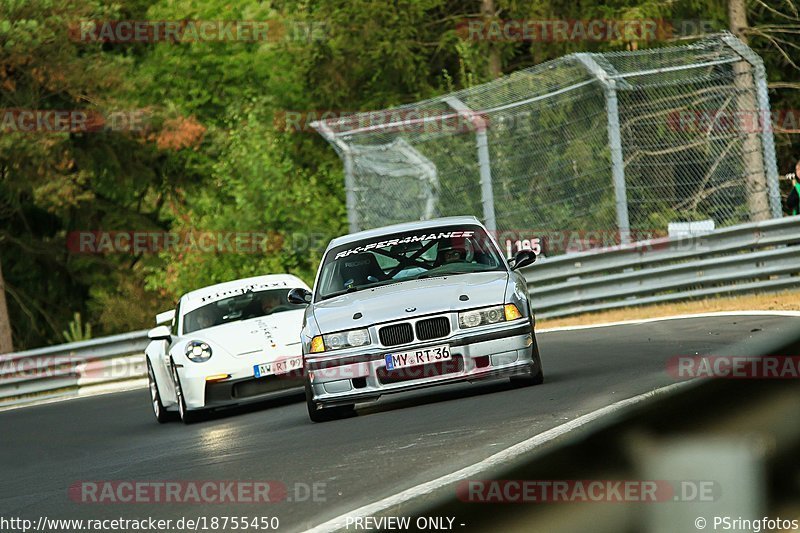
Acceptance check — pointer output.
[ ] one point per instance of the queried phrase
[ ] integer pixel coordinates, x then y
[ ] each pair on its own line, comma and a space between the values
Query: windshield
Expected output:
240, 307
398, 257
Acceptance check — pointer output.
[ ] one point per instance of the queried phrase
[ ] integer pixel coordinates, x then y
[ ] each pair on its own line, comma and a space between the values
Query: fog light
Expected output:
217, 377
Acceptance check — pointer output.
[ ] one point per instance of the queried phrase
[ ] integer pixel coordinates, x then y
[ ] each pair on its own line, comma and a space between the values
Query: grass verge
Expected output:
781, 301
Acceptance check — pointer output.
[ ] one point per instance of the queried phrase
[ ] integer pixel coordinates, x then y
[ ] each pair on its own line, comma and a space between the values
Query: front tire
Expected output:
328, 414
529, 379
187, 416
535, 374
160, 412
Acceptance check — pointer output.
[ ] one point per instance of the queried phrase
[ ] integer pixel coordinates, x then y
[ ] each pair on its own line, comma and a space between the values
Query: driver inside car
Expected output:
269, 301
456, 250
204, 318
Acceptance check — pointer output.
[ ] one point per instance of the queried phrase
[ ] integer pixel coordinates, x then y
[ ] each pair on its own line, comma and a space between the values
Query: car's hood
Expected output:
424, 296
266, 333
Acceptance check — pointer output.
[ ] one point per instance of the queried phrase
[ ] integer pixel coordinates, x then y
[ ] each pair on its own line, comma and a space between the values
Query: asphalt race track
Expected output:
391, 445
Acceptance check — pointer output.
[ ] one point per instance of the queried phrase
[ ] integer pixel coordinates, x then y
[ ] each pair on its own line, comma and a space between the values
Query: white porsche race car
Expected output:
228, 344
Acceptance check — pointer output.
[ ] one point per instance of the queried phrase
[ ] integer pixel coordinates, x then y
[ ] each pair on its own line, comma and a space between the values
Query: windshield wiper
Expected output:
429, 275
339, 293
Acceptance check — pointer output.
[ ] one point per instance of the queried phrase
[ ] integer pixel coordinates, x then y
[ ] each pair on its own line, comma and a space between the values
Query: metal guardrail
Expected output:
749, 257
72, 369
745, 258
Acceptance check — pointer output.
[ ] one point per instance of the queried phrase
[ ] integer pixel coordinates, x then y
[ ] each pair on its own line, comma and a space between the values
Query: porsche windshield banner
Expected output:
421, 237
251, 287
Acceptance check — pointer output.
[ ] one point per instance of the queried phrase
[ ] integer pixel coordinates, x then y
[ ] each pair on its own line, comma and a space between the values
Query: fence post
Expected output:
350, 191
349, 180
617, 164
768, 141
614, 144
769, 164
484, 161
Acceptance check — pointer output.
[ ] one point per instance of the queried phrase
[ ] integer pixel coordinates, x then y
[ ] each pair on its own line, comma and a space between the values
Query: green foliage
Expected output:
77, 330
52, 183
256, 188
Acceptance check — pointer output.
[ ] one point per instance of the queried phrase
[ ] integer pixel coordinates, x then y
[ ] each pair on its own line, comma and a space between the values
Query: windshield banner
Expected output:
404, 240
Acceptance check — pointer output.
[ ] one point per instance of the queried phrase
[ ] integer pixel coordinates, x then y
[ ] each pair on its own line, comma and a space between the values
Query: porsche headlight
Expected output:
346, 339
198, 351
481, 317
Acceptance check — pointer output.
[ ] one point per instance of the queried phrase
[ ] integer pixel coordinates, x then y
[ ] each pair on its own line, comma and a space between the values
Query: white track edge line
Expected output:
338, 523
671, 317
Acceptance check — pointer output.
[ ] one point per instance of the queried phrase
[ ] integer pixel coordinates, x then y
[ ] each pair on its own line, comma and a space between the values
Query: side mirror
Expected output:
523, 258
160, 333
299, 296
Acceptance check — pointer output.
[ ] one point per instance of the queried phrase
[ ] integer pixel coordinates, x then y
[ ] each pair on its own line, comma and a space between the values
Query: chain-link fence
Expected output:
621, 142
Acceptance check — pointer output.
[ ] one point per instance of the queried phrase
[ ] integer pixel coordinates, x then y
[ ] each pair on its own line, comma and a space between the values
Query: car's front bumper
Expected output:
240, 391
241, 387
483, 353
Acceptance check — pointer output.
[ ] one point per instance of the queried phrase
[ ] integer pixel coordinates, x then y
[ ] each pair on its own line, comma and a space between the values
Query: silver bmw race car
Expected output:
410, 306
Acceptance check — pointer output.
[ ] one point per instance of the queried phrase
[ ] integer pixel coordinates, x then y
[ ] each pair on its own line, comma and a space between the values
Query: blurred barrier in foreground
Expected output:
721, 454
760, 256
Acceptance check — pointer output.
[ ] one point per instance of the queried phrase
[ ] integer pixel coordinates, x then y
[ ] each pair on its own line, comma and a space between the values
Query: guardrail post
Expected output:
484, 161
614, 144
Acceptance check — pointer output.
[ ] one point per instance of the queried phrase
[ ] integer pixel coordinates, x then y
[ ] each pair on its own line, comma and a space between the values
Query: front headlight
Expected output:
345, 339
198, 351
488, 315
481, 317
